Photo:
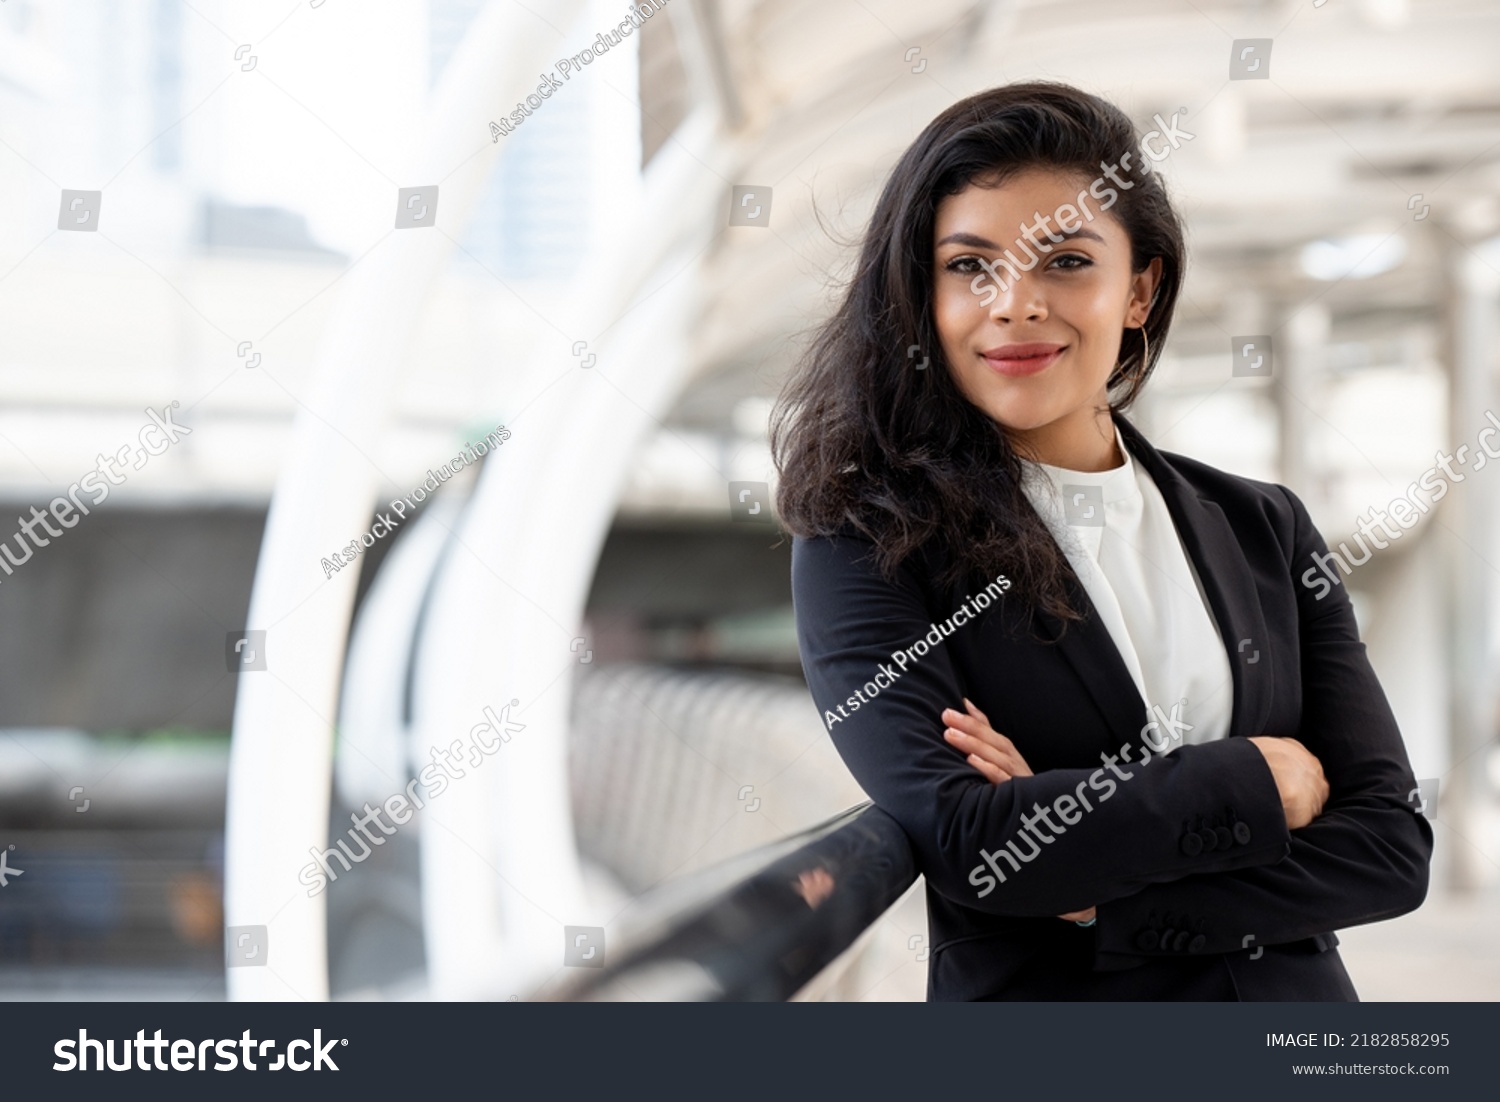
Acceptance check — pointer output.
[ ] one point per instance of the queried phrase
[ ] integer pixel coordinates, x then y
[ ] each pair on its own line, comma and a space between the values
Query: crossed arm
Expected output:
1363, 858
1298, 774
851, 619
1326, 852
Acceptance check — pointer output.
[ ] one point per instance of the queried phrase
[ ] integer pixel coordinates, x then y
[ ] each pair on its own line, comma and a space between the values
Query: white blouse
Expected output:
1139, 577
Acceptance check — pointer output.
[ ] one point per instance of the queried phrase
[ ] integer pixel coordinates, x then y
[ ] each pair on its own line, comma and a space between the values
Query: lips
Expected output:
1023, 359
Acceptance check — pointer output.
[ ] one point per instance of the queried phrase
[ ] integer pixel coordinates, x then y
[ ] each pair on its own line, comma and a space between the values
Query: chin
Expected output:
1018, 416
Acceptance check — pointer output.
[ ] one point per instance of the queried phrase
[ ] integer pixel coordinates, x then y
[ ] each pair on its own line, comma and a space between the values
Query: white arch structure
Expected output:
500, 869
499, 866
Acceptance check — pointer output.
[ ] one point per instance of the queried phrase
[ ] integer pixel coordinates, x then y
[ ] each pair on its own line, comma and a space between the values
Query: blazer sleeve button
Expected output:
1210, 840
1242, 833
1192, 845
1146, 940
1197, 944
1226, 839
1181, 942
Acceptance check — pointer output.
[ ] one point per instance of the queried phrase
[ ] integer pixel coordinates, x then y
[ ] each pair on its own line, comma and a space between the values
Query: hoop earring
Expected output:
1140, 373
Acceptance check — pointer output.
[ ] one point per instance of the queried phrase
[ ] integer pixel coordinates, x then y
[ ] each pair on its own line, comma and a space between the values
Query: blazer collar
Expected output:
1228, 583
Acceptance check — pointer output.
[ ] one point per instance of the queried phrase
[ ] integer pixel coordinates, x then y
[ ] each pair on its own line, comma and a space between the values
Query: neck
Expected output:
1083, 441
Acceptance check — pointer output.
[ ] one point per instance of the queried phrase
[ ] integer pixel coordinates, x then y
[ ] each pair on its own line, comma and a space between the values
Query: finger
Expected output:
962, 720
992, 773
1010, 758
979, 728
969, 726
968, 744
974, 710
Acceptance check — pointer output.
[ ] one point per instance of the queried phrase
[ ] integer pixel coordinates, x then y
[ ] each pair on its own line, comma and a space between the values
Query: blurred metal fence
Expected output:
673, 770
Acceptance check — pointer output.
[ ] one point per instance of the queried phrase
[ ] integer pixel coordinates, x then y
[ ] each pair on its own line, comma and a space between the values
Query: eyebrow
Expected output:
973, 240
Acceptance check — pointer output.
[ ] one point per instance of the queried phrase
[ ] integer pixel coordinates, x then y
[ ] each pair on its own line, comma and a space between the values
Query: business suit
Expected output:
1202, 893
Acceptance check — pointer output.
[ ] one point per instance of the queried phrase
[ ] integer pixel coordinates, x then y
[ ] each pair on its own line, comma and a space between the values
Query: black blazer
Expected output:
1201, 891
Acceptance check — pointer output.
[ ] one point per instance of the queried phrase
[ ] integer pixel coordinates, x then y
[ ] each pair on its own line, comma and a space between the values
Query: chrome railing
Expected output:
761, 926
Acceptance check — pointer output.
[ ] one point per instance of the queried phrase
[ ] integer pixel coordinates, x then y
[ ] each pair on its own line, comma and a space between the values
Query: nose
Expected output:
1019, 298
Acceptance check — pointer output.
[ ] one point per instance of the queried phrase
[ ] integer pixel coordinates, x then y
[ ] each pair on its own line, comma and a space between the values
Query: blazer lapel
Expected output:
1091, 651
1227, 582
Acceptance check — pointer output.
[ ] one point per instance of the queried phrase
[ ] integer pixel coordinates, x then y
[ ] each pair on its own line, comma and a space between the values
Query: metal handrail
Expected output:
760, 927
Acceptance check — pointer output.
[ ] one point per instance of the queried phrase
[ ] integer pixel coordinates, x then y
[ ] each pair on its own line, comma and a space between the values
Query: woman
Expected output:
1134, 757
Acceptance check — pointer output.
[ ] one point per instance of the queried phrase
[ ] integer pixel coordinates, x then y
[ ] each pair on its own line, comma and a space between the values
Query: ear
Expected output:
1143, 287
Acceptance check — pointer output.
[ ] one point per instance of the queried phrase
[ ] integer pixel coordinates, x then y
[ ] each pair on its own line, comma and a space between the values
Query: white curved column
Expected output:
499, 864
280, 758
370, 759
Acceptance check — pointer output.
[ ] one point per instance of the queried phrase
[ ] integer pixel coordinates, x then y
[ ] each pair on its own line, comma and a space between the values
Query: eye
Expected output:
963, 265
1065, 262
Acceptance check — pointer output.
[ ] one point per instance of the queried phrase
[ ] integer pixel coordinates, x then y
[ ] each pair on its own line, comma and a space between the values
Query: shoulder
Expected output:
847, 563
845, 551
1242, 499
1270, 524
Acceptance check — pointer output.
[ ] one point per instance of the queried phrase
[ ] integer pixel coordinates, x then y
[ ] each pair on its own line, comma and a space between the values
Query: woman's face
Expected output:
1034, 349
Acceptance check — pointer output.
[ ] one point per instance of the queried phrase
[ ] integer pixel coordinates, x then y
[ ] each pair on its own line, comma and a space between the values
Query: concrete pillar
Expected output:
1470, 331
1300, 348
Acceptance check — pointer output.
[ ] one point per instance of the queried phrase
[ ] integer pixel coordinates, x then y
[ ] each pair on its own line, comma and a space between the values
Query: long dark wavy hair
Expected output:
864, 441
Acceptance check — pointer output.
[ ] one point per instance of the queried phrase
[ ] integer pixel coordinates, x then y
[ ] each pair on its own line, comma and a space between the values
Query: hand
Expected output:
1299, 778
994, 755
988, 750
